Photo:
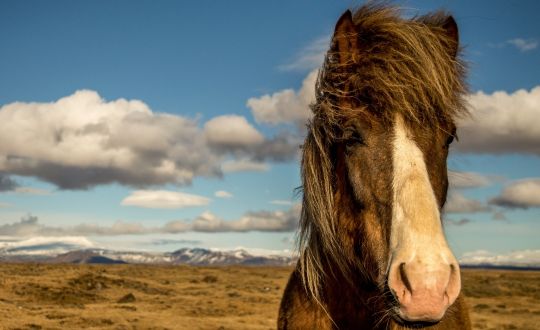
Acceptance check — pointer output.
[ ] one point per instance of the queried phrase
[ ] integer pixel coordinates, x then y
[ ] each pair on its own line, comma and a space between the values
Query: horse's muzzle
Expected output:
423, 291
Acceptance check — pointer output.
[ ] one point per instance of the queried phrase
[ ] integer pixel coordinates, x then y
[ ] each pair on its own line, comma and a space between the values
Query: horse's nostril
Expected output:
404, 278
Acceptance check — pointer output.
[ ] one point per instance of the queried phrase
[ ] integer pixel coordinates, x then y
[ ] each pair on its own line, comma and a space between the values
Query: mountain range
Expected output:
79, 250
187, 256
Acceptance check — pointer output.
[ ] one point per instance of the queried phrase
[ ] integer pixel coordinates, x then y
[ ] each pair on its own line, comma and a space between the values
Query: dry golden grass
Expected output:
182, 297
503, 299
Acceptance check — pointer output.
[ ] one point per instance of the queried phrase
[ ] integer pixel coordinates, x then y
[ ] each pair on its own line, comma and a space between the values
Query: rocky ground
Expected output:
187, 297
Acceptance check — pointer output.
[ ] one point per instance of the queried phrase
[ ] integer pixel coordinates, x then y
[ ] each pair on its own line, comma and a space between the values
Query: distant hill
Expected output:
83, 257
500, 267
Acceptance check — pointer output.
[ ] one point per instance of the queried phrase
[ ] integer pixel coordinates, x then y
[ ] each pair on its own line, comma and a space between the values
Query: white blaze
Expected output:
416, 227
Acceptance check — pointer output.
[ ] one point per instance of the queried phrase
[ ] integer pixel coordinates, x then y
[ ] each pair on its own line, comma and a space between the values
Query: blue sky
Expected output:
195, 66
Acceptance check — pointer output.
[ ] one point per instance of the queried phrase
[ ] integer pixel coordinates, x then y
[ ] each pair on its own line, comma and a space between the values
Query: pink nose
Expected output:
423, 291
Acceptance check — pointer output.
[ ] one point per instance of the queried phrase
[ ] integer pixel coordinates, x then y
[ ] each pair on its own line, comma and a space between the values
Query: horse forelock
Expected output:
402, 66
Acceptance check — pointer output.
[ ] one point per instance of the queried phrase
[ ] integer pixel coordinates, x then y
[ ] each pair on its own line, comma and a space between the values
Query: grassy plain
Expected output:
182, 297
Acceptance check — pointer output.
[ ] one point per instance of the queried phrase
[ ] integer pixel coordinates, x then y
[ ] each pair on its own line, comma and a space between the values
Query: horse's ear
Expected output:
345, 37
451, 30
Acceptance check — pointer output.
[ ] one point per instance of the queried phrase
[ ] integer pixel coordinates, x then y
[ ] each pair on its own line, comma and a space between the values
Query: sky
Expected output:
155, 126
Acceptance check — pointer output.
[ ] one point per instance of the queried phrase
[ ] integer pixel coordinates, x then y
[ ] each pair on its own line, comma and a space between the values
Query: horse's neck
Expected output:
362, 307
350, 305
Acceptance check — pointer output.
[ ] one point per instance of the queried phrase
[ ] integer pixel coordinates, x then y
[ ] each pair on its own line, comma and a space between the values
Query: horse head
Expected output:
374, 162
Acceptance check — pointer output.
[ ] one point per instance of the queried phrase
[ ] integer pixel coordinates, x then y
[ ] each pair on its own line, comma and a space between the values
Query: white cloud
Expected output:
244, 165
457, 203
460, 222
523, 44
285, 106
32, 191
164, 199
502, 123
81, 141
176, 226
281, 147
223, 194
281, 202
273, 221
233, 134
46, 245
231, 131
269, 221
29, 226
460, 180
514, 258
523, 193
172, 241
310, 57
117, 228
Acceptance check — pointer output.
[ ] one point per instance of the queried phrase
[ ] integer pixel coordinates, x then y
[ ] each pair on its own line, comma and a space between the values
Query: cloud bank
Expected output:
519, 194
514, 258
500, 123
264, 221
82, 140
46, 245
460, 222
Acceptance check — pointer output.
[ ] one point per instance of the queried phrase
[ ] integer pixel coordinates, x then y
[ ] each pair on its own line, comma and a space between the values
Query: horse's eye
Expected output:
449, 140
354, 138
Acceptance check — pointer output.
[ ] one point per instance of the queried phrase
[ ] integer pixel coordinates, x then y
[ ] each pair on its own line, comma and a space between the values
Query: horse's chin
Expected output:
414, 324
403, 321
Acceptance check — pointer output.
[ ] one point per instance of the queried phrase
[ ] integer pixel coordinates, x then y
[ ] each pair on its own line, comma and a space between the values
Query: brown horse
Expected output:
373, 252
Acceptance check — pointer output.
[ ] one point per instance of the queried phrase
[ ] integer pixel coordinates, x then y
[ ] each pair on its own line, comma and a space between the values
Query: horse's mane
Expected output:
403, 65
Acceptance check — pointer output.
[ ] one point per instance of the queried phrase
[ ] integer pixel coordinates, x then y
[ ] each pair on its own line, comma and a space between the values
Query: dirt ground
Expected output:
183, 297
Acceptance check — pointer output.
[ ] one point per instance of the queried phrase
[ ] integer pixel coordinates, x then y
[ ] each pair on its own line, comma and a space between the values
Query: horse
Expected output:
372, 251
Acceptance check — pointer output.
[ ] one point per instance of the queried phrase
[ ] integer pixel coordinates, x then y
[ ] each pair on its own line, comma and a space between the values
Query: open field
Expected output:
182, 297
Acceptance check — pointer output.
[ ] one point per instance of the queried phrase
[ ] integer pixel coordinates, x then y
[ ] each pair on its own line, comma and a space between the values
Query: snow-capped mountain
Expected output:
199, 256
189, 256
